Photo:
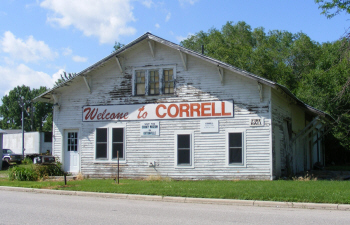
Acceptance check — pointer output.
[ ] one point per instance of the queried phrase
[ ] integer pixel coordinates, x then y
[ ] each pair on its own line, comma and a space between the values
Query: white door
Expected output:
71, 151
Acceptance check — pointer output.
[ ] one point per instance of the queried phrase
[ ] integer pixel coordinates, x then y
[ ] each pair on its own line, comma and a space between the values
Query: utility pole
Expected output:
22, 104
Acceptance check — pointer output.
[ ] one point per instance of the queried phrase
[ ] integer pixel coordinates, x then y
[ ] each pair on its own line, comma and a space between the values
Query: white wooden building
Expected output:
173, 112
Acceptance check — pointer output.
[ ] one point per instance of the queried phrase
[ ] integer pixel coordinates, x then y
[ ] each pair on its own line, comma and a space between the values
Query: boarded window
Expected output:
118, 143
184, 149
101, 143
235, 148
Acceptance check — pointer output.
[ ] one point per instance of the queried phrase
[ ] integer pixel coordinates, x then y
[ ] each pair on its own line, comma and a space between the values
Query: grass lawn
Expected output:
321, 191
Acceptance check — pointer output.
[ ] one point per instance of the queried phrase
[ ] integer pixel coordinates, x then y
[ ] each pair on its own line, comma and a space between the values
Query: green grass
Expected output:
281, 190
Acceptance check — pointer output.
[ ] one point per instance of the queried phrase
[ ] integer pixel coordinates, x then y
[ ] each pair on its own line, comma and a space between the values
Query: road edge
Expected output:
303, 205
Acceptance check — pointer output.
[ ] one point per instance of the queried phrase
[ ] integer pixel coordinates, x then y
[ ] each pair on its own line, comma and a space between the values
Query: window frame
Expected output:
176, 134
110, 143
147, 69
244, 148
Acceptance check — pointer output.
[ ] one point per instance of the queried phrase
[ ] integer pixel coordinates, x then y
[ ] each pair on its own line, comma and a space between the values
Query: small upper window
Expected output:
140, 82
168, 81
154, 81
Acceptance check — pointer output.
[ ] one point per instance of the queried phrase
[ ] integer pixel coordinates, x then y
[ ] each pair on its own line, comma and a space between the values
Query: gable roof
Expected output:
46, 96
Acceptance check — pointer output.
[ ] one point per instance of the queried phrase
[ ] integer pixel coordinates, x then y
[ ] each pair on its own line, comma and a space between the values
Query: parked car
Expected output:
9, 156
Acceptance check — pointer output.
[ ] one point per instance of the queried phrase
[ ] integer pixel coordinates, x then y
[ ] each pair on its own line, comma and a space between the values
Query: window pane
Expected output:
101, 150
183, 157
183, 141
235, 140
140, 90
118, 134
101, 135
184, 149
235, 155
117, 147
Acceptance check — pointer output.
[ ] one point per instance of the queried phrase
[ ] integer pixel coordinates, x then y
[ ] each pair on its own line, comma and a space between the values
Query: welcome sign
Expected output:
161, 111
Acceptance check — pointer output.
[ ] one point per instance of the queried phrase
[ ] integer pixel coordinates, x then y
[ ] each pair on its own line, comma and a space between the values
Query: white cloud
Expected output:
77, 58
29, 50
23, 75
157, 25
191, 2
147, 3
181, 38
168, 16
105, 19
67, 51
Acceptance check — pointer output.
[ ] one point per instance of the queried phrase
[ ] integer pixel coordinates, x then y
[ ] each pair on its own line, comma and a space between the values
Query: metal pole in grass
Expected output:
118, 165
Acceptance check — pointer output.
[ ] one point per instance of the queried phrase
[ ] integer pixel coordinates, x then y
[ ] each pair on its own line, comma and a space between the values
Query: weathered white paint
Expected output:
196, 81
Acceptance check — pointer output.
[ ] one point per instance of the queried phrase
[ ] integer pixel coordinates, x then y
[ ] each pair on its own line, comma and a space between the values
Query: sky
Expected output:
39, 39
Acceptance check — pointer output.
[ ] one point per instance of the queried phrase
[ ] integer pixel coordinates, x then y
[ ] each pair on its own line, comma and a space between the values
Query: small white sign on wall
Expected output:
257, 122
209, 126
150, 128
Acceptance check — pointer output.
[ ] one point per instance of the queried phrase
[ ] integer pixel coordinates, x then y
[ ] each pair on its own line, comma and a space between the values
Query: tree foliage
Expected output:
333, 7
37, 116
64, 77
316, 73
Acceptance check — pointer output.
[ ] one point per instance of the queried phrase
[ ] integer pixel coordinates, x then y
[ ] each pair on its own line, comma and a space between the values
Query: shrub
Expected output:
23, 173
33, 172
27, 161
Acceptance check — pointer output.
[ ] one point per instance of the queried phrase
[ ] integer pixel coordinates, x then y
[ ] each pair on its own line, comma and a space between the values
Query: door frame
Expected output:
64, 139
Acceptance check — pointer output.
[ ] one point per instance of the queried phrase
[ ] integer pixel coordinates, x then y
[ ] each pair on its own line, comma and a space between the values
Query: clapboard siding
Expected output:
200, 82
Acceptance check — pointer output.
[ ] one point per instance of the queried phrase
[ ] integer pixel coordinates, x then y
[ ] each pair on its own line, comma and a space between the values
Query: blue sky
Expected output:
41, 38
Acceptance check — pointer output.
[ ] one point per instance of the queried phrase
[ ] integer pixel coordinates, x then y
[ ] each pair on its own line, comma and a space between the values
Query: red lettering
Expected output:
176, 110
104, 112
157, 111
223, 110
195, 107
112, 117
184, 108
107, 116
213, 113
126, 116
90, 114
204, 109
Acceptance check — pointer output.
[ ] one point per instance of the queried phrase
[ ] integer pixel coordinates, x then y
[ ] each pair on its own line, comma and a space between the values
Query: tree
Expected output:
64, 77
117, 45
34, 113
336, 5
318, 74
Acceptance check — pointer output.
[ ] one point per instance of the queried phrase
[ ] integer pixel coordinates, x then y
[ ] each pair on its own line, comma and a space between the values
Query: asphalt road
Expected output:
37, 208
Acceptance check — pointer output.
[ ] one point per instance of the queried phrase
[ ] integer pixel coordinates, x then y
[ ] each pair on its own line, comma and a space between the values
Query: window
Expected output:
109, 141
48, 137
235, 148
183, 149
168, 82
140, 82
101, 143
118, 143
154, 81
72, 141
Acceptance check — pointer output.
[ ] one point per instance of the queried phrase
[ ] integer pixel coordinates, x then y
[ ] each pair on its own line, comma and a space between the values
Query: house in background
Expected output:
34, 142
166, 110
1, 136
